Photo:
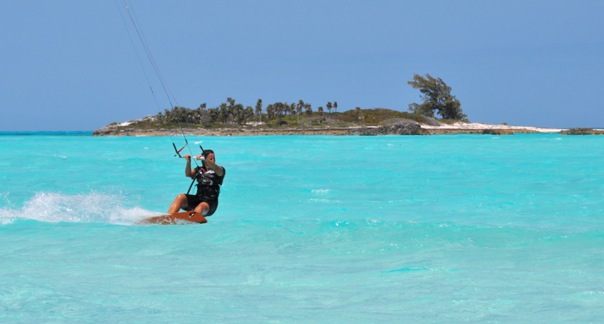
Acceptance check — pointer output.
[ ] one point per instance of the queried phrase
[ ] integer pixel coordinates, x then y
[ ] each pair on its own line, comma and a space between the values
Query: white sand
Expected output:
462, 125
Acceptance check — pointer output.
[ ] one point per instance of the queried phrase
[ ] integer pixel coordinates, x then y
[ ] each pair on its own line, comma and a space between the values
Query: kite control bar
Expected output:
177, 150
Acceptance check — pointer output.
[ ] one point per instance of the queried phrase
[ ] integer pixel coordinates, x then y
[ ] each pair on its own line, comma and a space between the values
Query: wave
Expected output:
80, 208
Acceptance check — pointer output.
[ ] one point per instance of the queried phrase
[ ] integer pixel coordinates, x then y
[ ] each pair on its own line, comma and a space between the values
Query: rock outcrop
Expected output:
582, 131
400, 128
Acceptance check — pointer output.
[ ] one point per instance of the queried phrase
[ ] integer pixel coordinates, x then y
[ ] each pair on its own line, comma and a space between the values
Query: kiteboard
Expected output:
186, 217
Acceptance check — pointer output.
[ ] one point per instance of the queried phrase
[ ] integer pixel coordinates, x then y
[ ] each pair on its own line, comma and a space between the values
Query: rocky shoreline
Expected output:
406, 127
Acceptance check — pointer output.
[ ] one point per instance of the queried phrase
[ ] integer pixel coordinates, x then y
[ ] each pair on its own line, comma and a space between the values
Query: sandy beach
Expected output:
461, 126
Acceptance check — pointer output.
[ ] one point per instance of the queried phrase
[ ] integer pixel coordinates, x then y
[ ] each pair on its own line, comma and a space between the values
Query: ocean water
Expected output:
330, 229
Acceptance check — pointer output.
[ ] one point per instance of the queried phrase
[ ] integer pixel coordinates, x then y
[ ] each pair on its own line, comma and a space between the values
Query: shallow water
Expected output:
309, 228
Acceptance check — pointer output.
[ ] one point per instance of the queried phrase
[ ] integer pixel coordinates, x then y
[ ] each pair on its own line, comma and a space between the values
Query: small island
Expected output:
374, 122
281, 118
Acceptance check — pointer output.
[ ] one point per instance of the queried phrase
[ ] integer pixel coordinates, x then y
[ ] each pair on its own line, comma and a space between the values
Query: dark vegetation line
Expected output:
281, 115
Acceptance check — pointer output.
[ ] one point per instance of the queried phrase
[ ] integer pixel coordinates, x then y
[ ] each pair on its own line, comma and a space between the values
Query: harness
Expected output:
208, 183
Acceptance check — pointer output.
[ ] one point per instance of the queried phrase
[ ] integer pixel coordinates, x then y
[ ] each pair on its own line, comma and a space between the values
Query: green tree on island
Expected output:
437, 98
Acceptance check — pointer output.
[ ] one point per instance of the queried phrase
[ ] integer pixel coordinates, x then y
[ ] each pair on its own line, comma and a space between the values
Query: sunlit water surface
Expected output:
309, 229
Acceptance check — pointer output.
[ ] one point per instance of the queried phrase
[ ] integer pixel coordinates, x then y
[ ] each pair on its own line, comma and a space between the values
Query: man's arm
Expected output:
215, 167
188, 171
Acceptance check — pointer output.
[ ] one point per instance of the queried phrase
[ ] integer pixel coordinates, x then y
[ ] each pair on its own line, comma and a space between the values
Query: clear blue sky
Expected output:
70, 65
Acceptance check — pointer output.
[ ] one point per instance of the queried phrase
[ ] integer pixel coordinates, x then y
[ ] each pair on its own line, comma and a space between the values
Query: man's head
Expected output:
209, 155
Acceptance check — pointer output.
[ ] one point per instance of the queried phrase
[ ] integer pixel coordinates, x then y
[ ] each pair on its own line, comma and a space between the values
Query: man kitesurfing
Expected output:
209, 178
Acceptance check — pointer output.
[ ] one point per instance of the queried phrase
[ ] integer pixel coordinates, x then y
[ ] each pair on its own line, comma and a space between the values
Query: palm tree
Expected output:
308, 109
259, 109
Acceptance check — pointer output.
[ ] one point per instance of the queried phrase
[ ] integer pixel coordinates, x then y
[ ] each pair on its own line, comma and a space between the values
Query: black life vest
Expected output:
208, 183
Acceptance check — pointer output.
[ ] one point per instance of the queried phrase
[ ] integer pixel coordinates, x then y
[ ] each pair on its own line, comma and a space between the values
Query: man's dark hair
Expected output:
206, 153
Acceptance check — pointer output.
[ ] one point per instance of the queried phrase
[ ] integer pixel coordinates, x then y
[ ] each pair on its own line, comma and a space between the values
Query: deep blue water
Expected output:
310, 229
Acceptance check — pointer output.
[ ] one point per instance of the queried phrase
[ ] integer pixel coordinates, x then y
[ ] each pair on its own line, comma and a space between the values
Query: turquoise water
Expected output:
347, 229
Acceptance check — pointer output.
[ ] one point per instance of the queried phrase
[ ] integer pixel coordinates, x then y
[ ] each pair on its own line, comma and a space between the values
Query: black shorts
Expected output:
194, 200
